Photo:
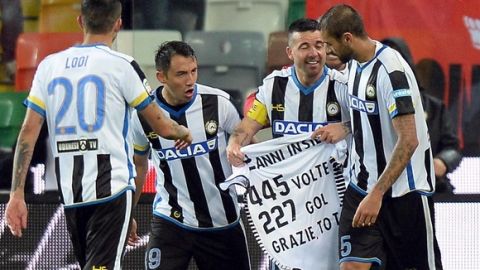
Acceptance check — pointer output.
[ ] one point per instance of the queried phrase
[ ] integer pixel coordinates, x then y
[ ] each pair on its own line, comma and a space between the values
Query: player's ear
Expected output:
161, 76
289, 52
80, 21
118, 25
347, 37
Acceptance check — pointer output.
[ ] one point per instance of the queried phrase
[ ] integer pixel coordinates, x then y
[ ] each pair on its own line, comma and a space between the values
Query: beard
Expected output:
346, 55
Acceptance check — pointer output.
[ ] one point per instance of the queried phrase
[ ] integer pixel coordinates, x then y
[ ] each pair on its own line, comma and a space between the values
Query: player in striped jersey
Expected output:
193, 217
297, 99
86, 94
385, 217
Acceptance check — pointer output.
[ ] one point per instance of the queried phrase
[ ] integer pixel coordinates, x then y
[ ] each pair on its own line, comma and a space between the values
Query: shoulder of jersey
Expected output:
338, 76
284, 72
127, 57
55, 54
208, 90
391, 60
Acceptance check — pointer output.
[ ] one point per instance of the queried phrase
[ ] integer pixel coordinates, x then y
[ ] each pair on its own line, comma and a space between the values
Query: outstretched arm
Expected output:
166, 127
16, 211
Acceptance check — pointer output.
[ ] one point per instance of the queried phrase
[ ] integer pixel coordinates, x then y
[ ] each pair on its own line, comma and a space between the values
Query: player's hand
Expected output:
185, 140
331, 133
439, 167
234, 155
16, 215
367, 211
133, 238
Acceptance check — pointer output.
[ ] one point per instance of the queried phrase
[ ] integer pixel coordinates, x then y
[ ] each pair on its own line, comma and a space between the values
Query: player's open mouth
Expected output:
189, 92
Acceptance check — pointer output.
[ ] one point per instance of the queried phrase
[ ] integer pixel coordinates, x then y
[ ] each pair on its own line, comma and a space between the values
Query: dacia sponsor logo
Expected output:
292, 128
195, 149
370, 107
402, 93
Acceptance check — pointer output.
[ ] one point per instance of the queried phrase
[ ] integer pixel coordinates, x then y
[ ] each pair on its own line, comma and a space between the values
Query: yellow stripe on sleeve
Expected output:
392, 108
36, 101
139, 100
140, 148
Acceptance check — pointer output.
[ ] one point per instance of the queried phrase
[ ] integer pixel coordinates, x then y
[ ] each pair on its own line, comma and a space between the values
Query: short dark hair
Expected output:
99, 16
302, 25
340, 19
168, 49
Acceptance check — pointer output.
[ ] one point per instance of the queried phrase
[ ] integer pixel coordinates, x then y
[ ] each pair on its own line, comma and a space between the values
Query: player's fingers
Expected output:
180, 144
369, 221
24, 221
317, 133
359, 220
355, 221
15, 230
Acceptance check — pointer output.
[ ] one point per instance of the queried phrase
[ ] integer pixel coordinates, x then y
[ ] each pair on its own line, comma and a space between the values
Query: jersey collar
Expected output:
176, 111
307, 90
362, 66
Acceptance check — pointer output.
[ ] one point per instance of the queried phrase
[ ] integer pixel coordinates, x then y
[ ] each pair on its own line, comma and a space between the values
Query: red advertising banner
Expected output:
444, 37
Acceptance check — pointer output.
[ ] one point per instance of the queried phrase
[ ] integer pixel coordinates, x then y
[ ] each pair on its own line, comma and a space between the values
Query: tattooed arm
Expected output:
406, 144
166, 127
241, 136
16, 211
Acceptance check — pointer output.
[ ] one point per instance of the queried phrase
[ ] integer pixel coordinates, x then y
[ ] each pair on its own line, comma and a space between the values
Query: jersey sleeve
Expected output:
141, 145
341, 91
136, 88
397, 93
232, 119
258, 110
37, 97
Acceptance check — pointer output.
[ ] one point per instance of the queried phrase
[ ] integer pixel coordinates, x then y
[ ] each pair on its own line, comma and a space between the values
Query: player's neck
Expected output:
365, 50
306, 80
170, 99
96, 39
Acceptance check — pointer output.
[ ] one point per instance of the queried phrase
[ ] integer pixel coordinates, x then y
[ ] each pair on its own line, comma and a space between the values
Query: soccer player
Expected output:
86, 94
192, 217
385, 216
297, 99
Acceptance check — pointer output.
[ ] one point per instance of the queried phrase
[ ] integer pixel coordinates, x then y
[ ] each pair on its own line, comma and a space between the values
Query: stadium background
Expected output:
443, 34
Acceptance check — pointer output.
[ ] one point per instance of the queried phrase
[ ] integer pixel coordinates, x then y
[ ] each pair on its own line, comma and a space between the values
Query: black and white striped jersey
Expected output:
86, 94
380, 90
294, 109
187, 182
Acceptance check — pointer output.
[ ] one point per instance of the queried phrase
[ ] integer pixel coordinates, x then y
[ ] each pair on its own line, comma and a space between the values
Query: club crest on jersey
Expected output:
370, 92
195, 149
177, 214
333, 108
211, 127
292, 127
369, 107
